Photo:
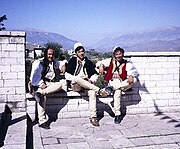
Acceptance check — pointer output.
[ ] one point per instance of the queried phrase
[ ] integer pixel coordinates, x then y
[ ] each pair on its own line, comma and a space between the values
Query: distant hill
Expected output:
160, 39
41, 38
37, 37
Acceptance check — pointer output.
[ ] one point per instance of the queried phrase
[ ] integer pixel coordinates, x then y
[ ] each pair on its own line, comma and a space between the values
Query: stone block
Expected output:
18, 33
20, 47
7, 90
8, 47
5, 68
3, 33
8, 61
16, 40
17, 68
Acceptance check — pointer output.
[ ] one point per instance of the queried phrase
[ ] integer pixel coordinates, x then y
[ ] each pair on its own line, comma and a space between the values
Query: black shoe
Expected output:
106, 91
45, 125
103, 93
118, 119
94, 121
38, 96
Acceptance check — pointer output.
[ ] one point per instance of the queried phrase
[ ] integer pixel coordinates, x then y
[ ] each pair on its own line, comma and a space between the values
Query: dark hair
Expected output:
118, 49
45, 53
78, 48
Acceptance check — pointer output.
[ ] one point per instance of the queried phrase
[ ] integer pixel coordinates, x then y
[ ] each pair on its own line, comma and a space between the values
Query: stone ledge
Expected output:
70, 104
12, 34
72, 94
150, 54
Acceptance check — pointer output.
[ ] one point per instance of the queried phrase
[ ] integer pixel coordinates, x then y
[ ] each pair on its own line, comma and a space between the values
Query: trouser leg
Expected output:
117, 99
42, 116
118, 87
76, 87
119, 84
64, 85
85, 84
92, 89
54, 87
92, 103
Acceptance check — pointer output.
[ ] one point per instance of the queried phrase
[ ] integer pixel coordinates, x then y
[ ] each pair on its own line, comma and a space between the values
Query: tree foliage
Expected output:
96, 56
3, 18
59, 54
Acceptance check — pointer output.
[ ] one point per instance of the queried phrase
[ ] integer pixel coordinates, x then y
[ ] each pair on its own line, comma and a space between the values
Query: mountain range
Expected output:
36, 37
157, 40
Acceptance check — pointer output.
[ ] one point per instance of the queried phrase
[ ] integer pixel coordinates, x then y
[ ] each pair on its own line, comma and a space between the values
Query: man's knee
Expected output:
77, 78
91, 93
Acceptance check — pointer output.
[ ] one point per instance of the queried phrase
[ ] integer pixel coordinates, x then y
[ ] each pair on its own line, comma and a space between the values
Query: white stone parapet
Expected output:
12, 69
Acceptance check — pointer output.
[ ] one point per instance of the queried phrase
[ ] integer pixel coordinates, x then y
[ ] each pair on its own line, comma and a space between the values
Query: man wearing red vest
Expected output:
120, 76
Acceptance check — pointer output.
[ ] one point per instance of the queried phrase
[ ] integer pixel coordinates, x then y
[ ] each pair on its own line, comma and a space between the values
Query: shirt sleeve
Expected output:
69, 76
35, 76
62, 63
105, 62
131, 70
93, 78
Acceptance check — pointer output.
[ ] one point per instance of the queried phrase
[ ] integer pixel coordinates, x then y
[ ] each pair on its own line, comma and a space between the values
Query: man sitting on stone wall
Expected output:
44, 81
120, 76
82, 75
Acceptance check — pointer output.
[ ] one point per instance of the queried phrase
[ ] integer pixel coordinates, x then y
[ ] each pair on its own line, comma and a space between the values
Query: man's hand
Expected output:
130, 80
101, 69
63, 69
115, 76
30, 87
43, 86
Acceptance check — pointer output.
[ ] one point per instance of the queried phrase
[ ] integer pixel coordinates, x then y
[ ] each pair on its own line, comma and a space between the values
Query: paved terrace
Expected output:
140, 131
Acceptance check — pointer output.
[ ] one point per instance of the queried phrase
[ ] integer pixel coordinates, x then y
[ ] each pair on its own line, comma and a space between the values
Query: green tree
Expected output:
107, 54
1, 22
57, 48
65, 54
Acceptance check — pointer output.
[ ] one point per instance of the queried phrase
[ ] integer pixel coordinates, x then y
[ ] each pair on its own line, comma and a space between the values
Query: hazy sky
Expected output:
90, 20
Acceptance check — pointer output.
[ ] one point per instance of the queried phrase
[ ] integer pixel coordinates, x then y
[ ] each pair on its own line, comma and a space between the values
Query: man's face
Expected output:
118, 56
50, 55
80, 54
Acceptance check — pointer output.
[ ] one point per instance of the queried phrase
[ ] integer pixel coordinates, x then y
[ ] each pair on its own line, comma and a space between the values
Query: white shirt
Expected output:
36, 76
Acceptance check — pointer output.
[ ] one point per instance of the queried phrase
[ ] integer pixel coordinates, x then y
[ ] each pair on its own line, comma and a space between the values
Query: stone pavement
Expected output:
140, 131
13, 131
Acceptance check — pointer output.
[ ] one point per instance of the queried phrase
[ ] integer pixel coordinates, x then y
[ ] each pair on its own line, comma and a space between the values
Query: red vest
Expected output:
110, 70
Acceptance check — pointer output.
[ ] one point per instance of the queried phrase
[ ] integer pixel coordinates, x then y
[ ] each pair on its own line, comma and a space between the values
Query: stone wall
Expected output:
157, 90
12, 70
158, 81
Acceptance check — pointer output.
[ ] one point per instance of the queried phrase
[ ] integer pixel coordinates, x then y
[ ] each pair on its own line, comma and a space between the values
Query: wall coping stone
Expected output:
12, 33
154, 54
72, 94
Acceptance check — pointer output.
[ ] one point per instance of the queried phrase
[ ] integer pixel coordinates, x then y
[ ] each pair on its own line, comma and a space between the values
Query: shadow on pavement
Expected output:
157, 109
29, 133
53, 109
170, 120
5, 121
